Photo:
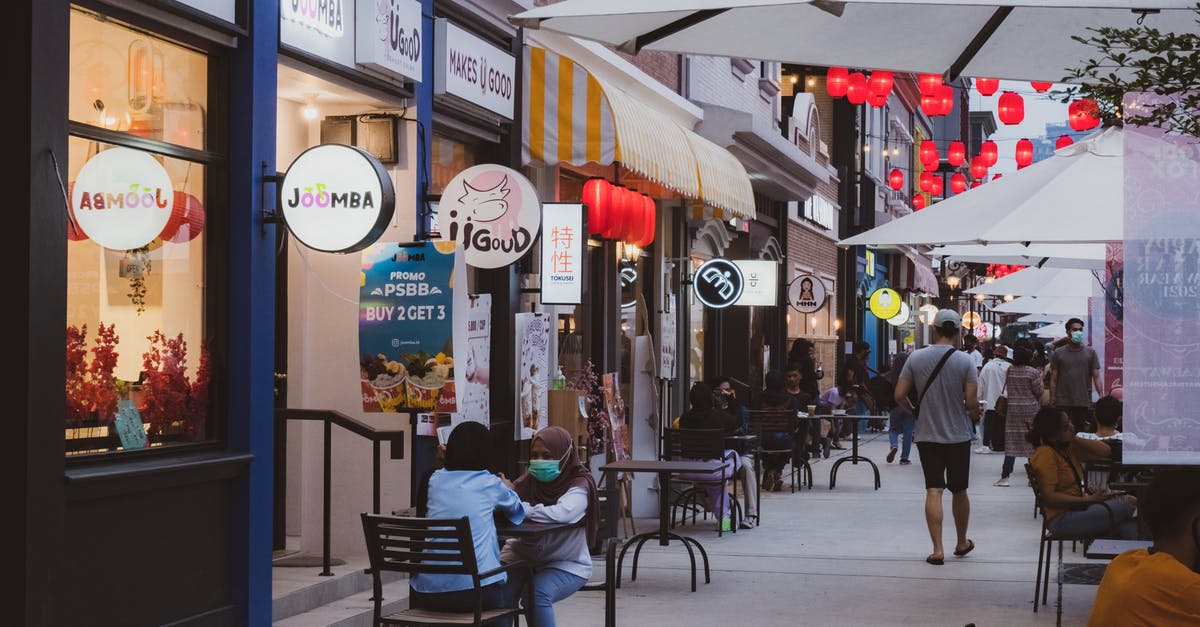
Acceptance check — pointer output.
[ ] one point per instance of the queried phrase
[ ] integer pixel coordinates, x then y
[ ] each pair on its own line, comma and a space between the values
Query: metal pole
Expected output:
327, 497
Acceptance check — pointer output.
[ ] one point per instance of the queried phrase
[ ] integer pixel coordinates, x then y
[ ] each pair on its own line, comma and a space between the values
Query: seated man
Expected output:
1159, 585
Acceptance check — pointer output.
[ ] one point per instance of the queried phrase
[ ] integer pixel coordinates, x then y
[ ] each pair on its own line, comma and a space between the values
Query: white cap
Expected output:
947, 315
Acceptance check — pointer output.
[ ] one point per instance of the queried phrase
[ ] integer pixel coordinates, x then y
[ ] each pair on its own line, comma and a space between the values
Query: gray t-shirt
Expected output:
1074, 368
943, 414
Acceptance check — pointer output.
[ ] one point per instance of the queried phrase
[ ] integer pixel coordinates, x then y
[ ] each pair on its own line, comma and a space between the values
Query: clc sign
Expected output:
718, 283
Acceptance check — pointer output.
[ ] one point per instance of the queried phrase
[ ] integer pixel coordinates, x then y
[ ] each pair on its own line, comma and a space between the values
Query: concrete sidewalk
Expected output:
850, 556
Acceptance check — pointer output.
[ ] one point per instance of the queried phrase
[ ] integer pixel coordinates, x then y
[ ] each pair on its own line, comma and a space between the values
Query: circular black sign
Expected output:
718, 283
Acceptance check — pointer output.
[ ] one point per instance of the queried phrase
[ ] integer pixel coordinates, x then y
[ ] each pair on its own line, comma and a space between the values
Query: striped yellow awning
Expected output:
573, 117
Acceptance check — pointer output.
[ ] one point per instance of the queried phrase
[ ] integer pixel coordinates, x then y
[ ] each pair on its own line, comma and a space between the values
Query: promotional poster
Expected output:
533, 373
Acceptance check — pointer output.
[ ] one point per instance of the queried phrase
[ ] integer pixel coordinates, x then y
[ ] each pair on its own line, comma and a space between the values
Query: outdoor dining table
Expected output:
854, 457
664, 469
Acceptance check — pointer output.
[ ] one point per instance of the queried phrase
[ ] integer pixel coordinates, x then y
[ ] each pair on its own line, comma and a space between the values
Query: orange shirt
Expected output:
1055, 475
1151, 589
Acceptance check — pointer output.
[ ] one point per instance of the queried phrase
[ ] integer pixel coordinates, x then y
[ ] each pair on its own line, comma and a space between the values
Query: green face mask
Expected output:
546, 470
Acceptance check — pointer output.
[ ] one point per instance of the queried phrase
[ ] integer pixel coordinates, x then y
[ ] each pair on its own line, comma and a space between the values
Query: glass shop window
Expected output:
139, 370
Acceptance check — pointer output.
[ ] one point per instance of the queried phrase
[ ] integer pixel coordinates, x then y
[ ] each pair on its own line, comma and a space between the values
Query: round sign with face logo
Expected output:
806, 293
718, 283
885, 303
492, 212
122, 198
336, 198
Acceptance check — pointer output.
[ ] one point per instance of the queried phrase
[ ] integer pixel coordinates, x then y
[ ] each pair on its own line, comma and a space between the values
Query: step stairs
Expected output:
343, 600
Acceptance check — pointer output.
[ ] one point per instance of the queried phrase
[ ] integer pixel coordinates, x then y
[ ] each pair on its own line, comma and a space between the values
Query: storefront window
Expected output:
449, 157
138, 346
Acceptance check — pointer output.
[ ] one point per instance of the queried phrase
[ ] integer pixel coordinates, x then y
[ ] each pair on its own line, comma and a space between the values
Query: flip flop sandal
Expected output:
936, 561
963, 552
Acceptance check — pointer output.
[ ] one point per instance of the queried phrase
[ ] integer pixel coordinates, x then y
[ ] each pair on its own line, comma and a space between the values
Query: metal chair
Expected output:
764, 422
607, 548
431, 546
701, 444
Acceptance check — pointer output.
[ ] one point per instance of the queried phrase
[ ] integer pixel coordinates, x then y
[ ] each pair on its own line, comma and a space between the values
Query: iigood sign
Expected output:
492, 212
337, 198
806, 293
563, 232
122, 198
761, 283
472, 69
388, 37
718, 283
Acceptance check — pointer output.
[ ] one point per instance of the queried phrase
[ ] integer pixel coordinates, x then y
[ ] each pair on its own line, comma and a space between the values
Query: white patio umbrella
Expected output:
1040, 282
1005, 39
1058, 329
1082, 256
1075, 196
1068, 306
1041, 317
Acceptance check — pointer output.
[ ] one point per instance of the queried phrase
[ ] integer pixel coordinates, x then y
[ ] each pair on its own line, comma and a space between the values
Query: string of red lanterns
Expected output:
620, 213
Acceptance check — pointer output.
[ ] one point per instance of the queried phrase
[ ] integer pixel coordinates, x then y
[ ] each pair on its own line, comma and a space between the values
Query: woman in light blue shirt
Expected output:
465, 487
557, 489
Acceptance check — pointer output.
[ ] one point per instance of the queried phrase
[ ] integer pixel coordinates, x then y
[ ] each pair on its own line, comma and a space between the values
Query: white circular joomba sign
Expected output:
122, 198
336, 198
806, 293
492, 212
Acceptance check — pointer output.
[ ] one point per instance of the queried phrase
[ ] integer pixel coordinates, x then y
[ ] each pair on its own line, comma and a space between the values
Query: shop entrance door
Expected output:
279, 519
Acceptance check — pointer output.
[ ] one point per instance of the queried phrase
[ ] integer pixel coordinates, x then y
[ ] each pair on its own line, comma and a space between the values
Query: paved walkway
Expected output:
851, 556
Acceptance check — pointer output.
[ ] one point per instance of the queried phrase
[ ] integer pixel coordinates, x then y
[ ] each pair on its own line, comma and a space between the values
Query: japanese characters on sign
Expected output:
563, 234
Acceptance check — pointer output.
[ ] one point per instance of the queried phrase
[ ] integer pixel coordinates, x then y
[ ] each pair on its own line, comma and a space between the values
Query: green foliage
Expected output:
1141, 59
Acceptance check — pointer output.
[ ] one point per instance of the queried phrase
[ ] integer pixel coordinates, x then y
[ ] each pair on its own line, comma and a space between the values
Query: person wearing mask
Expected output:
944, 381
901, 421
992, 387
1159, 585
1074, 373
1023, 388
1057, 459
466, 487
557, 488
703, 415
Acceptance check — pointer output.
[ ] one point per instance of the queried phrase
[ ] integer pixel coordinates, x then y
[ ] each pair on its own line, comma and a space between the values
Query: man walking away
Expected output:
1074, 369
947, 406
991, 388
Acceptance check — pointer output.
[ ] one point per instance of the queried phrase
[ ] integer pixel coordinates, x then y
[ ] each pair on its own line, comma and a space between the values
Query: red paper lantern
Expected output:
649, 223
989, 152
631, 215
186, 221
987, 86
938, 185
637, 219
1084, 114
958, 182
616, 220
918, 202
880, 82
926, 183
1011, 108
597, 196
856, 90
896, 178
876, 100
1041, 87
931, 105
975, 184
1024, 153
956, 154
1063, 141
837, 81
978, 168
929, 83
929, 153
946, 97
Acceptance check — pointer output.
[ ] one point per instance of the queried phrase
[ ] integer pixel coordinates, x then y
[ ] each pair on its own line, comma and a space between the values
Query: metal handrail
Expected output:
330, 417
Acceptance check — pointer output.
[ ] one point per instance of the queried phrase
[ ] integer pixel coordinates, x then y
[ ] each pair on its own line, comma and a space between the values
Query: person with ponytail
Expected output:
557, 488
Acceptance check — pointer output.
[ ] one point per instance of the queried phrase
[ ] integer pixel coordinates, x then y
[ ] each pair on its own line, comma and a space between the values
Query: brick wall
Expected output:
662, 66
715, 81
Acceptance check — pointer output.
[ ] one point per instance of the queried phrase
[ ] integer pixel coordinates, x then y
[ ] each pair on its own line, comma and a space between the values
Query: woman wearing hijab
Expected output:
558, 488
466, 487
901, 421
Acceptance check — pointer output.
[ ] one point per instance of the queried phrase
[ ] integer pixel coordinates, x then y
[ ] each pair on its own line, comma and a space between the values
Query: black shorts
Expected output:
946, 465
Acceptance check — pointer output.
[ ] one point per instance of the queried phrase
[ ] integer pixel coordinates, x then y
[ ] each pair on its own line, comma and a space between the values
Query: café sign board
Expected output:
337, 198
761, 282
718, 283
806, 293
563, 233
324, 16
389, 37
122, 198
493, 212
474, 70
